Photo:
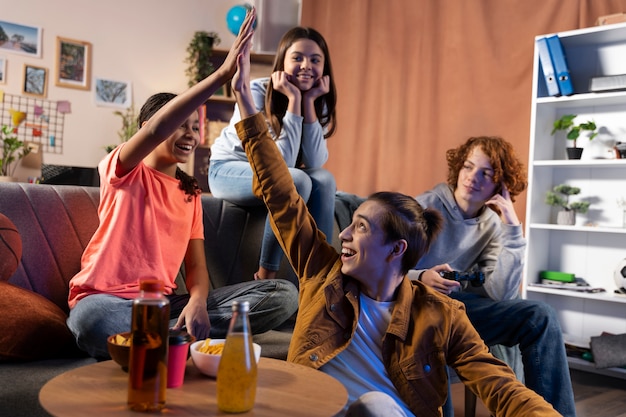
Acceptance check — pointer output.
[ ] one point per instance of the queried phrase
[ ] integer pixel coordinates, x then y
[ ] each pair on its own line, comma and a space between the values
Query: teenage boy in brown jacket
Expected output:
361, 319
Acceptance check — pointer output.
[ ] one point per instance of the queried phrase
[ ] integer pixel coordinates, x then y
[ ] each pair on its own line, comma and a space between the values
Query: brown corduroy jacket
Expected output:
427, 330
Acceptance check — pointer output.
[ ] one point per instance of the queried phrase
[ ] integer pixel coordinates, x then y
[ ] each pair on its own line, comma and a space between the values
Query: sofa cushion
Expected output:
10, 248
55, 223
32, 327
232, 242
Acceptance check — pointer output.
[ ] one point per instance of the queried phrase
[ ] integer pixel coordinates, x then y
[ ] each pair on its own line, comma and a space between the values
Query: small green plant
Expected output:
199, 53
559, 197
573, 130
129, 126
13, 150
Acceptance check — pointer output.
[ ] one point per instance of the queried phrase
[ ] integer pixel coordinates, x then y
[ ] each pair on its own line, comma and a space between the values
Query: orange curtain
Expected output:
418, 77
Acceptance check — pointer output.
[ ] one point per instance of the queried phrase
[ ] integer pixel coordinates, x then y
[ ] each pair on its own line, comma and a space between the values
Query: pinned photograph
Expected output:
35, 81
3, 70
20, 39
111, 93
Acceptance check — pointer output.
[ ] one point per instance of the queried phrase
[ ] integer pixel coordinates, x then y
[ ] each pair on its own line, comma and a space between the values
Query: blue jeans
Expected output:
96, 317
535, 327
232, 181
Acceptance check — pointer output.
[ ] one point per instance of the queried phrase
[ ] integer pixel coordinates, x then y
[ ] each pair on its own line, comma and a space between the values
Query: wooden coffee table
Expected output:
284, 389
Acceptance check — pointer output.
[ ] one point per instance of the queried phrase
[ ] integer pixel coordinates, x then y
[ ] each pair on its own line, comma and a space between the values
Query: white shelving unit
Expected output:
593, 247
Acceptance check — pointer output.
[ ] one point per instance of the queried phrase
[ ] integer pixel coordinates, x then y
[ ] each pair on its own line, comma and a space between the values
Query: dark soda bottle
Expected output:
147, 369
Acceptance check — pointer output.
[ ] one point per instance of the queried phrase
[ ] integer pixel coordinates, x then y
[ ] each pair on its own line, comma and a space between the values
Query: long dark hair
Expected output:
188, 183
276, 103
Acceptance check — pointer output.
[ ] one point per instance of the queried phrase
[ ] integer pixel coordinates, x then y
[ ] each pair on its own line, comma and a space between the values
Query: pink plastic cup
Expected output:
177, 357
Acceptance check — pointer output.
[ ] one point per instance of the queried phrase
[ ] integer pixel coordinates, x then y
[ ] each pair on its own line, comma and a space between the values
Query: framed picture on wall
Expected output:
111, 93
73, 64
20, 39
3, 69
35, 81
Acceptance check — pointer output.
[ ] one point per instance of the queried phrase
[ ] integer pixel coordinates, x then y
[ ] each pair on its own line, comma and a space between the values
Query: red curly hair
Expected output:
506, 165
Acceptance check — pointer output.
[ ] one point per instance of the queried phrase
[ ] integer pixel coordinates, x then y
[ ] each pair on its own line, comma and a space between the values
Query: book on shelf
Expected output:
547, 68
561, 68
578, 285
608, 83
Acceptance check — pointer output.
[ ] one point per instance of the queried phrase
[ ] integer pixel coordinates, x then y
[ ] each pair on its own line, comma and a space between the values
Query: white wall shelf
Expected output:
593, 247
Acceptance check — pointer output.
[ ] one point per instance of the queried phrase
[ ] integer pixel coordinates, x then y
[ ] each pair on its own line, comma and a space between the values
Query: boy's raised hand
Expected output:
243, 40
241, 83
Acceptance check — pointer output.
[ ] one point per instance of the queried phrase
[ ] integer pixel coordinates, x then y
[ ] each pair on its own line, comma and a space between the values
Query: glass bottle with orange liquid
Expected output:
147, 368
237, 371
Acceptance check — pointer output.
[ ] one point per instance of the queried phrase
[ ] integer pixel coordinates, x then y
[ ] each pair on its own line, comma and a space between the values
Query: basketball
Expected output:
10, 248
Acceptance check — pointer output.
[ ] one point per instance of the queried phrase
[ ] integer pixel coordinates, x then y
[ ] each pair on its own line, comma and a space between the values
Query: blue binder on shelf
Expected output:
560, 65
547, 67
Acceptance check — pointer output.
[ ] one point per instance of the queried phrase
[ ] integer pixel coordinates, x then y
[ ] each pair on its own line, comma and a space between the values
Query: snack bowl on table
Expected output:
207, 363
119, 349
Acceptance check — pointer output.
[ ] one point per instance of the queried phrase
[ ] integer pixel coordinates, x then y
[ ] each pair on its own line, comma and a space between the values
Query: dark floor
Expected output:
595, 395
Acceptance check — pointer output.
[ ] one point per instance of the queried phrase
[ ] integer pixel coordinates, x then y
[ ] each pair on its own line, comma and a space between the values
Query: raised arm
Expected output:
171, 116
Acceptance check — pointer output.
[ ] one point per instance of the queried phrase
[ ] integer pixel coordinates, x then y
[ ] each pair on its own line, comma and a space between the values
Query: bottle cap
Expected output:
151, 285
179, 337
241, 306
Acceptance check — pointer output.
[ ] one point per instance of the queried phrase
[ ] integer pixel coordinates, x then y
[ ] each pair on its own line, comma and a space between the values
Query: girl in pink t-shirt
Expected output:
151, 222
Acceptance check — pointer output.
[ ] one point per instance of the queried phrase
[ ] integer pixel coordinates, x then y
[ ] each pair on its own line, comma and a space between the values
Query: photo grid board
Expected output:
42, 121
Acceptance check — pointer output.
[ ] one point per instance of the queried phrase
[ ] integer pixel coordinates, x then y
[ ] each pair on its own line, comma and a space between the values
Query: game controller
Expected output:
475, 278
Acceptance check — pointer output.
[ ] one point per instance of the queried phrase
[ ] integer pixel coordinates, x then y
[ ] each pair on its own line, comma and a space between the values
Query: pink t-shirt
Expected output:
146, 222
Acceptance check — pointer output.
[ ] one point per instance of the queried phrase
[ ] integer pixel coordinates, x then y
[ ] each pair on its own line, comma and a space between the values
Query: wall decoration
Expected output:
3, 70
20, 39
73, 64
35, 81
110, 93
35, 120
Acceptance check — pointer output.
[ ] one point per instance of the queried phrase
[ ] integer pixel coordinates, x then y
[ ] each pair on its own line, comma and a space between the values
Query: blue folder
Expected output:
547, 67
560, 66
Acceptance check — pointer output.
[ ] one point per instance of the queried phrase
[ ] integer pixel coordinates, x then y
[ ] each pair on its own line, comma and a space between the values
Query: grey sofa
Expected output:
55, 223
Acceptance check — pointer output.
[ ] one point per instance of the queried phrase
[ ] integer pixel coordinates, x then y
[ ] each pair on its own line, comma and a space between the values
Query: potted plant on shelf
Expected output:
199, 53
13, 150
559, 197
573, 130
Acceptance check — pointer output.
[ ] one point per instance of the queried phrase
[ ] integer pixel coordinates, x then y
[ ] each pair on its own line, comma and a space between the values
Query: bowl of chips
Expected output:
119, 349
206, 355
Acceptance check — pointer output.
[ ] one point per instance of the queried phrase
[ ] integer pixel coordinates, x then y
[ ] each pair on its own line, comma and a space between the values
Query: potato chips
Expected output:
121, 340
215, 349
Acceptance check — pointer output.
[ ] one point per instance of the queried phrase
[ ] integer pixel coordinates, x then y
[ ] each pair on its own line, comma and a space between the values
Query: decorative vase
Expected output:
574, 153
4, 178
566, 217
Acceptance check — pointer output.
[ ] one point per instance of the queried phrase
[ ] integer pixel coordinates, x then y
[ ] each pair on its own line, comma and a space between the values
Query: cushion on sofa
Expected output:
55, 223
32, 327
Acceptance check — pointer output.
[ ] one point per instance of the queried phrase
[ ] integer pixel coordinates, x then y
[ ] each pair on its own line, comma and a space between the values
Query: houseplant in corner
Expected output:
573, 130
199, 53
13, 150
559, 197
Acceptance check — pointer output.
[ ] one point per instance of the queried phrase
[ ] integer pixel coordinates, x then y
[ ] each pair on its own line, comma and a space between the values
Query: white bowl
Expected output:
207, 363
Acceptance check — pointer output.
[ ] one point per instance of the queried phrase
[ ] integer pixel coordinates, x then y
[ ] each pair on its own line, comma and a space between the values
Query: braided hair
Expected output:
188, 183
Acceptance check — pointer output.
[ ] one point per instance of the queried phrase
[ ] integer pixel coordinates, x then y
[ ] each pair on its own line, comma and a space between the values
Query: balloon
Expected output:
236, 16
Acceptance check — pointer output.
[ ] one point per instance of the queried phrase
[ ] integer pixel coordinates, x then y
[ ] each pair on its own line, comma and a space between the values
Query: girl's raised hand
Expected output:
243, 40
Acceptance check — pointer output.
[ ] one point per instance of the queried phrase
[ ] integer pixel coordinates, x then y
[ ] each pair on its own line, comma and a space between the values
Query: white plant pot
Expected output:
566, 217
4, 178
